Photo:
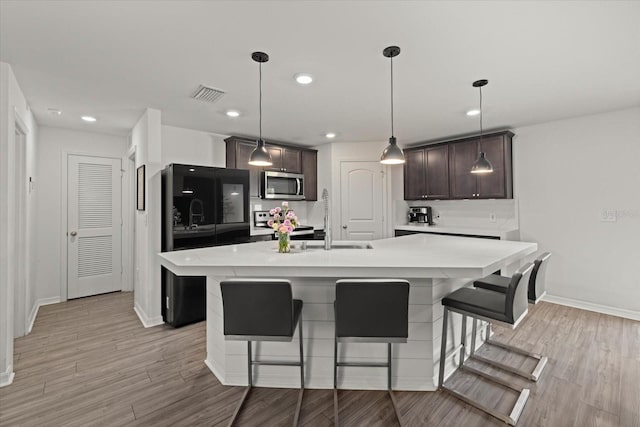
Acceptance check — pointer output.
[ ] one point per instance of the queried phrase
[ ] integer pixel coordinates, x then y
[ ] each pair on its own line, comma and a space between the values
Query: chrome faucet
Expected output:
327, 225
196, 211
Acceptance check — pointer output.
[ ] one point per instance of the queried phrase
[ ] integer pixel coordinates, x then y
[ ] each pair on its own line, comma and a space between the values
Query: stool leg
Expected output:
443, 346
336, 420
474, 330
247, 389
296, 418
393, 399
249, 367
463, 339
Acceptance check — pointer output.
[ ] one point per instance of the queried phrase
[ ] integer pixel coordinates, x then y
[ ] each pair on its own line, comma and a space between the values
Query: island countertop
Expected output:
420, 255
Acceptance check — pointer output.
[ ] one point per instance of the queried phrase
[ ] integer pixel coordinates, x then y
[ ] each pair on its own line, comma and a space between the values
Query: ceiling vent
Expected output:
208, 94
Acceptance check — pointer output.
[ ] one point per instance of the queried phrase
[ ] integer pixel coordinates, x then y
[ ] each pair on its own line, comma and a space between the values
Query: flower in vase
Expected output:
284, 219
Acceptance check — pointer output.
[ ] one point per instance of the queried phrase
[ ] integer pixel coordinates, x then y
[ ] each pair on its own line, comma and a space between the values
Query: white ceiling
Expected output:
544, 61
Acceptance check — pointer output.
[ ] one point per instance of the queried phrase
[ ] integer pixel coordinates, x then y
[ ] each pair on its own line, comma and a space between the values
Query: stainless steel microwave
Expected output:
282, 185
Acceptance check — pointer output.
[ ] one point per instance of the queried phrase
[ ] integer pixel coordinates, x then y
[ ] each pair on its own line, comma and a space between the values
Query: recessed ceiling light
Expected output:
54, 111
192, 170
473, 112
88, 118
303, 78
233, 113
330, 135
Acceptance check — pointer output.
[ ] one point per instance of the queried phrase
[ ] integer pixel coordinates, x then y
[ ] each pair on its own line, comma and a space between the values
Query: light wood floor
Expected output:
90, 362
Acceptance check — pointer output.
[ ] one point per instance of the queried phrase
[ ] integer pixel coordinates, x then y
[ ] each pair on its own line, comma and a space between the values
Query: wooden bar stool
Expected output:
262, 310
536, 290
506, 308
371, 311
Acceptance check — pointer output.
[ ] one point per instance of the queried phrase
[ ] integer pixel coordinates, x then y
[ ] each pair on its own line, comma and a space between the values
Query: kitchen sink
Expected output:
318, 244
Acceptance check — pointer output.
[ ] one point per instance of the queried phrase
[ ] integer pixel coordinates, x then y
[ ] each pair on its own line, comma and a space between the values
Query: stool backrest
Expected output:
257, 307
537, 283
517, 301
372, 308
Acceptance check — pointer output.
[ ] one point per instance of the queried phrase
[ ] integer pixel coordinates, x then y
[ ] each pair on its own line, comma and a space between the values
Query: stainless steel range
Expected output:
302, 232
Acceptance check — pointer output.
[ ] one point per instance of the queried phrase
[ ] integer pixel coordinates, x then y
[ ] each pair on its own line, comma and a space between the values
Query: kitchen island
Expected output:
434, 265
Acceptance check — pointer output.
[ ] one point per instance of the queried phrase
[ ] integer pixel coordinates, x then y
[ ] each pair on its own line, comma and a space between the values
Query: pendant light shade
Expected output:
392, 154
260, 156
481, 165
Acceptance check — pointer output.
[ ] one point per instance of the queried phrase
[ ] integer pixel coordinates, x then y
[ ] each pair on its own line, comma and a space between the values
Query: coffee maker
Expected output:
421, 215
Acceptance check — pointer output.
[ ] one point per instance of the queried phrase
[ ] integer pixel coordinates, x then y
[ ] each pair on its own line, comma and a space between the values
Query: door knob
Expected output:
344, 226
73, 234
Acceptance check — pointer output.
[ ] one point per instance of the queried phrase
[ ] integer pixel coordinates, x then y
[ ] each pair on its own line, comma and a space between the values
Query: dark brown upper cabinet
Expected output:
310, 168
443, 170
426, 173
495, 185
285, 158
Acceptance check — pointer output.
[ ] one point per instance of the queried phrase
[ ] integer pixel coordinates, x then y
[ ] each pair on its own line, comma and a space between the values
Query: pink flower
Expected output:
291, 214
277, 209
284, 229
270, 223
289, 229
287, 222
272, 211
286, 204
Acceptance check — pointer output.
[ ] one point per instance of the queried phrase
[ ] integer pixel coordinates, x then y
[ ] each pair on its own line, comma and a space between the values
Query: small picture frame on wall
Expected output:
140, 189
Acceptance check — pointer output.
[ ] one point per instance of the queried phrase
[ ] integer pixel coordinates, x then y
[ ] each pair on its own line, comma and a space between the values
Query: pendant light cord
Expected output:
480, 113
392, 133
260, 108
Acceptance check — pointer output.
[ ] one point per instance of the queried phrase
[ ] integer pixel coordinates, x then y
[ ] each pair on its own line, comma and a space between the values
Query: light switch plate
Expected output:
608, 215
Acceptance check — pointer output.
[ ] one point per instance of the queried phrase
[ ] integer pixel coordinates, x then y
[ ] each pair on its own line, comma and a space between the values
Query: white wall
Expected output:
54, 145
13, 106
146, 139
192, 147
566, 173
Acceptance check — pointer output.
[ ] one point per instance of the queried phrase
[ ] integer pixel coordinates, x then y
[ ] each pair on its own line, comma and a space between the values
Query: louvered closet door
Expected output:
94, 231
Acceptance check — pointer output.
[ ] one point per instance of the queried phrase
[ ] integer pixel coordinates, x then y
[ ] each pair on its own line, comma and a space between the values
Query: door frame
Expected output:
64, 274
129, 220
21, 279
385, 192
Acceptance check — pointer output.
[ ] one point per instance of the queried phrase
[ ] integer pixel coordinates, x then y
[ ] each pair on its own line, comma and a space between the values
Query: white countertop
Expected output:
419, 255
476, 231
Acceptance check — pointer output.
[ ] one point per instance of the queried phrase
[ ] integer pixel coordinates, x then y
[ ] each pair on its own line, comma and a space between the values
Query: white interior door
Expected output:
361, 195
94, 222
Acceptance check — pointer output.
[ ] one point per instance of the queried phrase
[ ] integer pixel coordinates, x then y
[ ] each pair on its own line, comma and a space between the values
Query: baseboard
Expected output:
36, 306
598, 308
6, 378
147, 322
216, 371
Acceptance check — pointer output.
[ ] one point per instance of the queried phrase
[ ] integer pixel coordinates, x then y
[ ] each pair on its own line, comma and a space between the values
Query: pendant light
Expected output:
260, 156
392, 154
481, 165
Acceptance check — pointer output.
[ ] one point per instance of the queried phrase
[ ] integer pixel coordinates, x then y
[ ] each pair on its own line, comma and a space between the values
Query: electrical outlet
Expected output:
608, 215
492, 217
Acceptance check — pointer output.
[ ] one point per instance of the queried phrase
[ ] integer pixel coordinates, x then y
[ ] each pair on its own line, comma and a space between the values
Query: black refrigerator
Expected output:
201, 206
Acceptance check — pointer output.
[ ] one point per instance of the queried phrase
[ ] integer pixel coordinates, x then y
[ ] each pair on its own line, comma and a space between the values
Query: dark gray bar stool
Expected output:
536, 291
371, 311
262, 310
506, 308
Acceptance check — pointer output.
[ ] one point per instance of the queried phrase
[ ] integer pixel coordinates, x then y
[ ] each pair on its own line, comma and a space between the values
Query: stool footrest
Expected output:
490, 377
274, 363
510, 419
364, 364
